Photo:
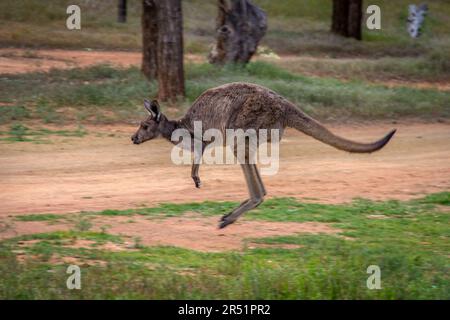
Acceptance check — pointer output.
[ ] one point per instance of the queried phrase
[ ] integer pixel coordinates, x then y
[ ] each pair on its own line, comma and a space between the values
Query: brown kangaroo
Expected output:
244, 106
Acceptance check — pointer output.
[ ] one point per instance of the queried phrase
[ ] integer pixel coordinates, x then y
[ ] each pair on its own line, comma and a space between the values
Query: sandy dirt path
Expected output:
101, 171
22, 60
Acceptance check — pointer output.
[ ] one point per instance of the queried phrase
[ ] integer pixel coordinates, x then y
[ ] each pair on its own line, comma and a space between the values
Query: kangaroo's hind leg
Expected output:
259, 189
256, 192
261, 184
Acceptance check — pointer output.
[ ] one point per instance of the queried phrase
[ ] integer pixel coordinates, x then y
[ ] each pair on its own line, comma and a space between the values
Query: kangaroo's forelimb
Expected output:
196, 165
194, 175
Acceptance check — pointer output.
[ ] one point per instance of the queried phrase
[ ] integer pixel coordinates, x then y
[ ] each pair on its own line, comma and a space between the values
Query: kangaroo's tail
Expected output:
302, 122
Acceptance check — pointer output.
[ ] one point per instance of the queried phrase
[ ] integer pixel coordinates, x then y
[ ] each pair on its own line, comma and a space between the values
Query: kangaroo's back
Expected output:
236, 105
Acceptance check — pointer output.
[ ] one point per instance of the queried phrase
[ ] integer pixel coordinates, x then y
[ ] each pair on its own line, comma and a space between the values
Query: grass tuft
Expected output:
39, 217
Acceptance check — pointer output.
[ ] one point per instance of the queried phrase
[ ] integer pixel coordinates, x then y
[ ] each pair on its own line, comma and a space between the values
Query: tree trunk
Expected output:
355, 19
240, 27
122, 11
170, 50
347, 18
162, 42
149, 40
340, 17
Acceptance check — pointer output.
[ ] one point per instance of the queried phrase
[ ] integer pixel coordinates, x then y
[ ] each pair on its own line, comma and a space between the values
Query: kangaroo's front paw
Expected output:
197, 182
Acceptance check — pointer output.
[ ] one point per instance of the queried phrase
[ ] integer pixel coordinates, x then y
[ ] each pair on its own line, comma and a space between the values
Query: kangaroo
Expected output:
241, 105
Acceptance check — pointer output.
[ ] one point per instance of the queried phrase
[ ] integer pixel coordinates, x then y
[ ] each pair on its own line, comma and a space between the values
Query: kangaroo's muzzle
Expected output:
135, 139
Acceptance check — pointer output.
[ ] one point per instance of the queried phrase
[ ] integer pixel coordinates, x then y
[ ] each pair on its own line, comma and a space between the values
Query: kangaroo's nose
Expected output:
135, 139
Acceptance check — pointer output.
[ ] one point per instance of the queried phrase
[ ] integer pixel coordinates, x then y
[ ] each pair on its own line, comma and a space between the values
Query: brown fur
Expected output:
245, 106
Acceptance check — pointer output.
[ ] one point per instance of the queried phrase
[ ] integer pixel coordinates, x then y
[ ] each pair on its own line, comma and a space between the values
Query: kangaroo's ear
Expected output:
154, 107
148, 107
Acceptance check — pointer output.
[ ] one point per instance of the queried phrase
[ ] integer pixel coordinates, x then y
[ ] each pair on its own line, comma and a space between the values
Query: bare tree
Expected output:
240, 27
355, 15
149, 40
170, 50
347, 18
162, 29
122, 11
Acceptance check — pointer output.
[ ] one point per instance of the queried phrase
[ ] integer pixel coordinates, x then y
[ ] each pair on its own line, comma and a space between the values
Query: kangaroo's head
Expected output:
149, 128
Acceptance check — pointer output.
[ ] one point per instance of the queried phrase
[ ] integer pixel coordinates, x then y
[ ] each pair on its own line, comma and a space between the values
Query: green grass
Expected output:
102, 94
58, 237
39, 217
172, 210
437, 198
410, 245
432, 67
20, 133
327, 98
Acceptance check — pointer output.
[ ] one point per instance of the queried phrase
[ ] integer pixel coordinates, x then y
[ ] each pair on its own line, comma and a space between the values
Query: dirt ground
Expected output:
190, 231
21, 60
101, 171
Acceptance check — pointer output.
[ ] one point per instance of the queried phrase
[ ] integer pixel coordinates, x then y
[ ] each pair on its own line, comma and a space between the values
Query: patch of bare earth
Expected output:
202, 234
84, 243
191, 232
19, 228
13, 61
23, 256
57, 259
102, 172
